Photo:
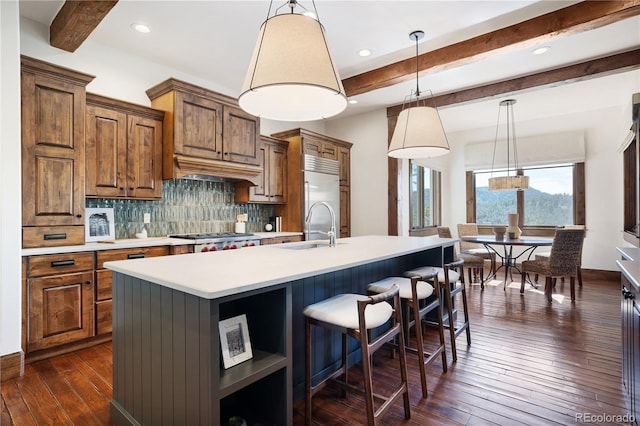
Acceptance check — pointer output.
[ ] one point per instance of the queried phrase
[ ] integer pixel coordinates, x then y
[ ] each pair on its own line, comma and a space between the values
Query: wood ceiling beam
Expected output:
76, 20
580, 17
609, 65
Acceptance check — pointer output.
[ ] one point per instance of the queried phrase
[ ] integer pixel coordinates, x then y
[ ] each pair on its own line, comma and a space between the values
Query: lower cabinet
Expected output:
631, 345
59, 292
281, 240
67, 298
104, 280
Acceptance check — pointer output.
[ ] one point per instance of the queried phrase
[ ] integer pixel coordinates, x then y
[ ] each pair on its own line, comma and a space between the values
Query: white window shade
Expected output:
554, 148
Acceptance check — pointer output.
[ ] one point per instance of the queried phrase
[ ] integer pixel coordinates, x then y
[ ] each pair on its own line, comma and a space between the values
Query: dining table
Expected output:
504, 250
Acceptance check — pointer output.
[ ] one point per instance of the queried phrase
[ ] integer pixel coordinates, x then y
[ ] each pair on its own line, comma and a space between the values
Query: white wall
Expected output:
369, 170
10, 189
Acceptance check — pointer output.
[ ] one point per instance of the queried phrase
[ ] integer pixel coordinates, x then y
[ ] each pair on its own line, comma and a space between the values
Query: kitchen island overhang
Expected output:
166, 346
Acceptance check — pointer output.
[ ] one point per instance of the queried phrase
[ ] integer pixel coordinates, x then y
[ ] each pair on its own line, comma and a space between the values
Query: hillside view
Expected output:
541, 208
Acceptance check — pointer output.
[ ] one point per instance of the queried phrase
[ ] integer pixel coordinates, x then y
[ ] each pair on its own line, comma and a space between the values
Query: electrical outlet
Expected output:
147, 217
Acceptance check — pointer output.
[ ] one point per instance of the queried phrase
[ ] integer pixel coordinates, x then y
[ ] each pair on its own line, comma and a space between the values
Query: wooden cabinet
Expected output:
53, 120
303, 142
631, 344
271, 188
123, 149
104, 280
205, 133
282, 240
59, 300
319, 146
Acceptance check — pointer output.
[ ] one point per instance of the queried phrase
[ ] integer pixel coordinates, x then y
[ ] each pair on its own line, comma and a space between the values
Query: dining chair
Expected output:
544, 255
466, 229
563, 260
474, 263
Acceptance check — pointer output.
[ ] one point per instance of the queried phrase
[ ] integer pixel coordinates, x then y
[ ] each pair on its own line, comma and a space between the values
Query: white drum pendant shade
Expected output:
291, 76
418, 134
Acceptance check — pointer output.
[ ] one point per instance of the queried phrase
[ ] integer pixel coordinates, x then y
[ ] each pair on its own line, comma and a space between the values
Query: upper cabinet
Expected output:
206, 133
53, 153
271, 188
303, 142
123, 149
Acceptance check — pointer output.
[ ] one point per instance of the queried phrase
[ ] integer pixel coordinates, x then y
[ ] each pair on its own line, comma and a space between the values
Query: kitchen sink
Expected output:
307, 245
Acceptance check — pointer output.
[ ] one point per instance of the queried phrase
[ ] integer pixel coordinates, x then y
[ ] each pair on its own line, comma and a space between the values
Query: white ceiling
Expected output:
214, 39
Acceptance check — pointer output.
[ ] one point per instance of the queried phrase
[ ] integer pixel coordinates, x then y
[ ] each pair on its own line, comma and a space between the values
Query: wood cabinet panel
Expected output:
123, 149
345, 211
60, 310
103, 317
104, 280
52, 151
52, 236
198, 126
272, 182
205, 133
240, 136
106, 152
282, 240
54, 264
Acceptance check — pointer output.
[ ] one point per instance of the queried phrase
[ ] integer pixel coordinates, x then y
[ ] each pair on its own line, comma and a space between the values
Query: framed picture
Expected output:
99, 225
234, 340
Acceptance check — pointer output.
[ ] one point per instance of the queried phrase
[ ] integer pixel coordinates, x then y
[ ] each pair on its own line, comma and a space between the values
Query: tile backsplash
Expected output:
187, 206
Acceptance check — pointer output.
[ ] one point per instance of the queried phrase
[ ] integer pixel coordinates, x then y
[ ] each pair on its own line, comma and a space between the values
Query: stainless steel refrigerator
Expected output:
321, 183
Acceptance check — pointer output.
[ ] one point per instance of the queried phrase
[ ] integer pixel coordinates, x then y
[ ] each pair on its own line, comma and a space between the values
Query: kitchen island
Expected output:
167, 361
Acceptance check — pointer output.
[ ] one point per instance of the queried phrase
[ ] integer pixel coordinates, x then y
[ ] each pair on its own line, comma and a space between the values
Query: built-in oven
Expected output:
220, 241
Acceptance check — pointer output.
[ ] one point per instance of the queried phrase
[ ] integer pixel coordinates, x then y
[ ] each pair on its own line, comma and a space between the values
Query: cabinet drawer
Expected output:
134, 253
103, 317
55, 264
52, 236
103, 284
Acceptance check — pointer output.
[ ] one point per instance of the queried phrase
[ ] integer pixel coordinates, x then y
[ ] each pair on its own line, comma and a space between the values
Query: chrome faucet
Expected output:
332, 232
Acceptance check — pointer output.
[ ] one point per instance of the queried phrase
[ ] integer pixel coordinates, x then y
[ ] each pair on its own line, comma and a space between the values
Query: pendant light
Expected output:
513, 181
291, 76
419, 132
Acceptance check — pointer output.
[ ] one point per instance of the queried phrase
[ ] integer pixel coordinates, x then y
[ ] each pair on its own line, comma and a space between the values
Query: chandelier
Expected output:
512, 181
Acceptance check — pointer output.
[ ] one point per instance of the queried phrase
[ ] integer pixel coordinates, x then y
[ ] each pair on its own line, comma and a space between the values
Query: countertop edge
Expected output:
125, 267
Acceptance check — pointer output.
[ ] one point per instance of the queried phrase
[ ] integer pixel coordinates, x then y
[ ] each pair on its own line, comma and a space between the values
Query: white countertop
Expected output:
133, 243
629, 253
116, 244
223, 273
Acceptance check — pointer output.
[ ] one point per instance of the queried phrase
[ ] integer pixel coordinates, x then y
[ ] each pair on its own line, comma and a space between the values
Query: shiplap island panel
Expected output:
167, 363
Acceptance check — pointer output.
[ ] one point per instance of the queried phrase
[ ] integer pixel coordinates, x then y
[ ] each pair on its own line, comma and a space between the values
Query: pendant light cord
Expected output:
417, 72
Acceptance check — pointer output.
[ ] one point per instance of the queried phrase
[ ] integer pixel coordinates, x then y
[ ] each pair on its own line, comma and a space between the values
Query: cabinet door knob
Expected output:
131, 188
121, 188
88, 282
78, 216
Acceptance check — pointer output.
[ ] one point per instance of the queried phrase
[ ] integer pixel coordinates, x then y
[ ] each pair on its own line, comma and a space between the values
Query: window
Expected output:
550, 200
424, 196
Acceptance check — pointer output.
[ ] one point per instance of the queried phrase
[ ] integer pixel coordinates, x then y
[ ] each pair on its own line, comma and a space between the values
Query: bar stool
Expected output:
451, 289
415, 292
356, 315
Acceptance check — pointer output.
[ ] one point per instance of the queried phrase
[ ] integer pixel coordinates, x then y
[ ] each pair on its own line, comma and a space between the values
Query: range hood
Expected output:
205, 169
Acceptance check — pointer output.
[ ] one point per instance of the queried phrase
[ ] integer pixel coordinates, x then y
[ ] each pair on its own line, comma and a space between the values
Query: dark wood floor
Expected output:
529, 363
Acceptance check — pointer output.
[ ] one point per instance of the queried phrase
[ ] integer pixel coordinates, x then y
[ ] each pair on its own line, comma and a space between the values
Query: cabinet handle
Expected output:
78, 216
62, 236
122, 188
135, 256
88, 282
226, 153
59, 263
627, 294
131, 188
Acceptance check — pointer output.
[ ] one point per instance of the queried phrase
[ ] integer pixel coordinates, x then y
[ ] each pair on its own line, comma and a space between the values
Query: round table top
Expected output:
522, 241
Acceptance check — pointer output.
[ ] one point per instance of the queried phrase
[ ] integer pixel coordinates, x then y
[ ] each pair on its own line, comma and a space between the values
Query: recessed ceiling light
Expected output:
141, 28
364, 52
353, 101
541, 50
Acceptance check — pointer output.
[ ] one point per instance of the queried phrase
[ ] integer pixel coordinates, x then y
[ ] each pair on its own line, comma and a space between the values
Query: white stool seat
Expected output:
342, 310
453, 275
424, 289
